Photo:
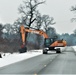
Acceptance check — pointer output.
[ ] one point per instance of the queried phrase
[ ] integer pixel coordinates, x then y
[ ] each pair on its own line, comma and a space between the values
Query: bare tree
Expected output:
51, 32
38, 20
28, 10
47, 21
30, 13
44, 21
31, 17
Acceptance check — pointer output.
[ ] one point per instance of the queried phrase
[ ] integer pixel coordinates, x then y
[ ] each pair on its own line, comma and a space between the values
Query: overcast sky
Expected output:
59, 9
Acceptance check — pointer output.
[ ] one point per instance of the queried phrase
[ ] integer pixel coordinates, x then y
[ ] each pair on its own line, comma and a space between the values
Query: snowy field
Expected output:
8, 58
74, 47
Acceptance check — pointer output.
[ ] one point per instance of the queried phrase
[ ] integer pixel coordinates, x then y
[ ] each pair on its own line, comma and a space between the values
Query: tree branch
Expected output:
38, 4
33, 20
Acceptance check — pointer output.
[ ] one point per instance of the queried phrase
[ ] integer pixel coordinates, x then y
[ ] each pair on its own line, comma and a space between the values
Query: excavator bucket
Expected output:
23, 49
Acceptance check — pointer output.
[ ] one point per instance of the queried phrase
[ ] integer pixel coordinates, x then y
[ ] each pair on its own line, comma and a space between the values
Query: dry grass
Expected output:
14, 45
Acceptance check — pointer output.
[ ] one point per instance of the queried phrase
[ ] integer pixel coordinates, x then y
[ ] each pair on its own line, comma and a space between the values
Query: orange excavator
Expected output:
49, 43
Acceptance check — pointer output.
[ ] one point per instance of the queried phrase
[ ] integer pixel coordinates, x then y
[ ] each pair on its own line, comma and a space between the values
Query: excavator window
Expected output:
48, 41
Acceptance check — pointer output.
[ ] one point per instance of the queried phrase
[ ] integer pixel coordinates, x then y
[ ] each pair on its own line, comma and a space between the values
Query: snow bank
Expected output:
61, 48
74, 47
16, 57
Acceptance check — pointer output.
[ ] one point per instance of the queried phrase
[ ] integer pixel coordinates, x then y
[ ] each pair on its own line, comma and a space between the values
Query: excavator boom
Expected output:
23, 31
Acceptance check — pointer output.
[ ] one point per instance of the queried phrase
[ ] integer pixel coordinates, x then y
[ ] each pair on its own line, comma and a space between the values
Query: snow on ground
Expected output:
16, 57
8, 58
74, 47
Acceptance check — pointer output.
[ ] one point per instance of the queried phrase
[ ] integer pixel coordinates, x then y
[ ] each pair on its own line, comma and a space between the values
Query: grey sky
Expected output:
59, 9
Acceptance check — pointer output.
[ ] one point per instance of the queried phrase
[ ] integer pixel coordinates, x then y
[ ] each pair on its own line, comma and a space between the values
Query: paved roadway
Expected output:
64, 63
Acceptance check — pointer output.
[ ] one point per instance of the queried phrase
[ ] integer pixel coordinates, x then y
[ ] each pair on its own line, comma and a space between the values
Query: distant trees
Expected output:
70, 38
8, 31
74, 32
51, 32
1, 28
31, 18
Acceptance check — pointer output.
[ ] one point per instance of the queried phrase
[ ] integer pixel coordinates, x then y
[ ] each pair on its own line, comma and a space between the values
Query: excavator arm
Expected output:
24, 30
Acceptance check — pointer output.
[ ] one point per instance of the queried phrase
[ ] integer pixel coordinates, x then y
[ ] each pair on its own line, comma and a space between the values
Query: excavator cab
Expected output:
51, 43
48, 42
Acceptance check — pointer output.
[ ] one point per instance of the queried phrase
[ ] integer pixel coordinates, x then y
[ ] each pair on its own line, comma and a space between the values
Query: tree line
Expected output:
30, 17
